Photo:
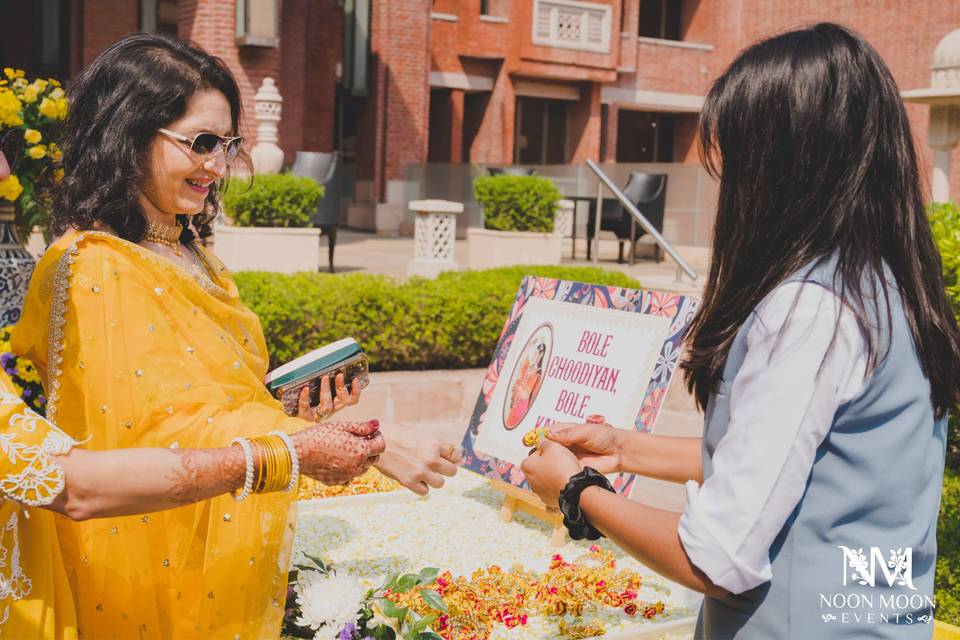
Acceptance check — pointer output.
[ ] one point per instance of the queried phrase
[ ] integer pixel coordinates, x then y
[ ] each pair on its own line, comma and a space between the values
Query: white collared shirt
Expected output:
782, 404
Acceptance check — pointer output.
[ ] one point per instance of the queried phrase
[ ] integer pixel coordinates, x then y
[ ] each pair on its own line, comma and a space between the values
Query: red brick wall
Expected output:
400, 33
583, 125
104, 22
212, 25
324, 45
685, 138
904, 33
407, 44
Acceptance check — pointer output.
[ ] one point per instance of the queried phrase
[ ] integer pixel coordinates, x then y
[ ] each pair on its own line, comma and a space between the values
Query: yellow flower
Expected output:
12, 73
55, 83
54, 109
57, 94
40, 84
9, 109
29, 94
57, 175
32, 136
37, 152
56, 155
10, 188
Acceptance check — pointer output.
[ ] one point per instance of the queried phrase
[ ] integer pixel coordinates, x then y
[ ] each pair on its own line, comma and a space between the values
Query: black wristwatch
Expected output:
573, 518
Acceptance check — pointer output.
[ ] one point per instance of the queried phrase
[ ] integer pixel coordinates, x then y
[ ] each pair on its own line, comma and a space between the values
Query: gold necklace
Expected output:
168, 236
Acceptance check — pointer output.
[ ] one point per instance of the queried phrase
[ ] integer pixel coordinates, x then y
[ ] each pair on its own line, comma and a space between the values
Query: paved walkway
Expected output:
368, 252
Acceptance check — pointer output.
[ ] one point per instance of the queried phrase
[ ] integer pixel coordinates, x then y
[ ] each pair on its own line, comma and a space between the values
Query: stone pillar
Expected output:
456, 126
435, 231
267, 155
943, 135
610, 133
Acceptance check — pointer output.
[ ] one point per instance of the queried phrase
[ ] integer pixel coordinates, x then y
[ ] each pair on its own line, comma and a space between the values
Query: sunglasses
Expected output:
206, 144
11, 145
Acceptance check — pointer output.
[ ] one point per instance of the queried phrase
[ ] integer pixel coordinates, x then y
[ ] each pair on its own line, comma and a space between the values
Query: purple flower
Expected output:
349, 632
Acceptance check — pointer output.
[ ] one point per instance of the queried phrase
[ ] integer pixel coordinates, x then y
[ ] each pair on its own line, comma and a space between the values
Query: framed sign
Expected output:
569, 350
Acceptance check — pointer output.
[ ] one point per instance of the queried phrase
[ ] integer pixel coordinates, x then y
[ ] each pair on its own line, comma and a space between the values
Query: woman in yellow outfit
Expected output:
142, 341
42, 469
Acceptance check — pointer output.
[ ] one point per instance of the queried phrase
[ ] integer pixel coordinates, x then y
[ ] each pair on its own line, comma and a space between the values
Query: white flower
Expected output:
329, 601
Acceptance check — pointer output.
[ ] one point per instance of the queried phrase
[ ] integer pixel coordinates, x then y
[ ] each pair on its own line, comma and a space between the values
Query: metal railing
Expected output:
638, 217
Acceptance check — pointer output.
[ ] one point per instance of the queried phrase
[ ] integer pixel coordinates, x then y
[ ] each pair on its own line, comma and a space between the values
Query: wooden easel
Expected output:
516, 499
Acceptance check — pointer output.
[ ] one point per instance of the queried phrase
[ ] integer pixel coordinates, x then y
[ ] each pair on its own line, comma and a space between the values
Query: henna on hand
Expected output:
337, 452
205, 473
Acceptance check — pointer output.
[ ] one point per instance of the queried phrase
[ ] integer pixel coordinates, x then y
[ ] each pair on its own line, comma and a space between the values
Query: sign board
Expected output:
569, 350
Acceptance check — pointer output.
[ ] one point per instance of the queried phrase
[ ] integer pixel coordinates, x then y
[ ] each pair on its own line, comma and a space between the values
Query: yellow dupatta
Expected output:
135, 351
35, 598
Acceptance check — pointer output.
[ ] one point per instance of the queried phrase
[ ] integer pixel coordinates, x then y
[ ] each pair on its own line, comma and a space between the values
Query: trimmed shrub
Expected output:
517, 203
945, 224
452, 322
947, 585
272, 200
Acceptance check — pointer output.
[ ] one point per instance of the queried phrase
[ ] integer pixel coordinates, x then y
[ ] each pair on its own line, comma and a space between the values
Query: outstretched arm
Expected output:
649, 535
124, 482
610, 450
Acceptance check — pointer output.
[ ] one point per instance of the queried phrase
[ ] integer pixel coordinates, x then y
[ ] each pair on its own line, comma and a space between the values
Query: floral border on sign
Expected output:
679, 308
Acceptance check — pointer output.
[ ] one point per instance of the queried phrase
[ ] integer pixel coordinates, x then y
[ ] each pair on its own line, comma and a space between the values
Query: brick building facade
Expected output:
479, 81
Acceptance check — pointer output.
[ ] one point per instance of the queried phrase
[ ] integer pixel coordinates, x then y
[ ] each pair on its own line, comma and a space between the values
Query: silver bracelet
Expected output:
294, 458
248, 478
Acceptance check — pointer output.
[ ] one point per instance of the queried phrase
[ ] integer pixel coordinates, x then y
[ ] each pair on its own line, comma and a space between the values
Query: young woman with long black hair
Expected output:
824, 354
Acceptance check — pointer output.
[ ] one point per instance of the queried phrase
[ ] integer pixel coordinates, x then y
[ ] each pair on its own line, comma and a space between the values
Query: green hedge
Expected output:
451, 322
272, 200
947, 586
517, 203
945, 224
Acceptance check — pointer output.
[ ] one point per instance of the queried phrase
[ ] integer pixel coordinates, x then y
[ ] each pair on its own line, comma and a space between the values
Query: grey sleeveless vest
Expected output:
868, 513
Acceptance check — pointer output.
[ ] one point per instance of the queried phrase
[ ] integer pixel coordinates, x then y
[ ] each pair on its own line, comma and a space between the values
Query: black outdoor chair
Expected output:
510, 171
648, 192
325, 169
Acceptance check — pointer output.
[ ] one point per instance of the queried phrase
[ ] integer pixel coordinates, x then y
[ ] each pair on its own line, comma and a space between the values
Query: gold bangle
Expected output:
260, 465
271, 465
274, 464
286, 463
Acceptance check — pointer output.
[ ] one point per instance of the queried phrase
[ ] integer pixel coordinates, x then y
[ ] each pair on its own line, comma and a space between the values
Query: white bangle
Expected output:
294, 459
248, 478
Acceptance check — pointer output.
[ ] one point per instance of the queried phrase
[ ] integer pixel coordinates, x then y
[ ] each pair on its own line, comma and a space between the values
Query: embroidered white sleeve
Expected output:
782, 405
37, 479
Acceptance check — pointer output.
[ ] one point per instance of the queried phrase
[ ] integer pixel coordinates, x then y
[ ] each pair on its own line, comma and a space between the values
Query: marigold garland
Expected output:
567, 591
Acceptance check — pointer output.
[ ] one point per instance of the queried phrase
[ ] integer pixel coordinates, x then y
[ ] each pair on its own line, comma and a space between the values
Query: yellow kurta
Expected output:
135, 351
35, 599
